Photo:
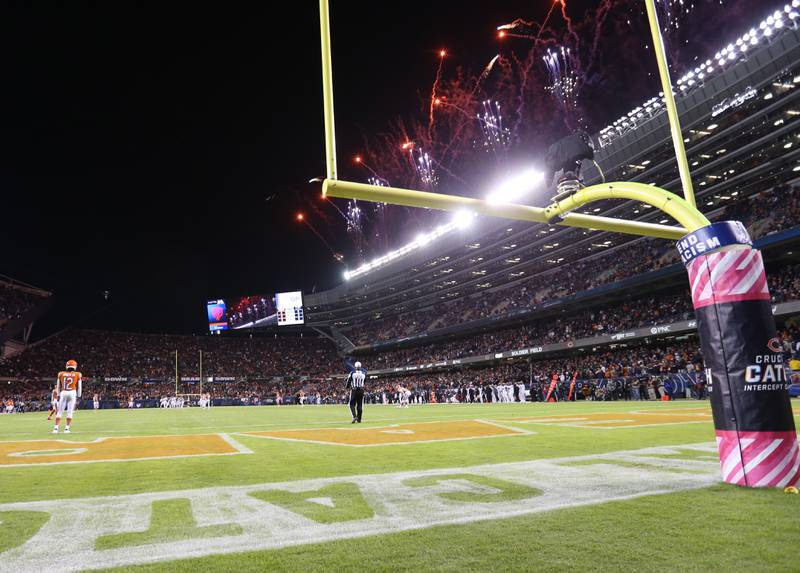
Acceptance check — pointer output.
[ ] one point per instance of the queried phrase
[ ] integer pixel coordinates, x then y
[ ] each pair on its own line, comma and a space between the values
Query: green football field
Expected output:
612, 486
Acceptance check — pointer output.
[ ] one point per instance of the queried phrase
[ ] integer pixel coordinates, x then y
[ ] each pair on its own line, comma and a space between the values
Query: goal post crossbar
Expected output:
682, 210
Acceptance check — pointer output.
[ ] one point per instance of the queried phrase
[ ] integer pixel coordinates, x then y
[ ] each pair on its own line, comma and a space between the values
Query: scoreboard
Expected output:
281, 309
290, 308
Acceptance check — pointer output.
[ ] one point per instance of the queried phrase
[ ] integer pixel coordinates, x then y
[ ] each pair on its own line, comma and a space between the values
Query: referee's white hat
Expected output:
357, 364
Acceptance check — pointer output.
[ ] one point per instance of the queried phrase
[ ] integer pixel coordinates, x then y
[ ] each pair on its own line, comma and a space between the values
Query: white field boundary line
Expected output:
241, 449
505, 427
398, 505
598, 425
361, 428
114, 460
406, 443
646, 413
103, 438
236, 445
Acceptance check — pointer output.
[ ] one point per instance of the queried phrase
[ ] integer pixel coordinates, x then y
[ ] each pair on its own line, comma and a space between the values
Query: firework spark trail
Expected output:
449, 172
360, 161
526, 70
576, 41
336, 256
487, 70
600, 17
434, 89
515, 24
335, 206
442, 101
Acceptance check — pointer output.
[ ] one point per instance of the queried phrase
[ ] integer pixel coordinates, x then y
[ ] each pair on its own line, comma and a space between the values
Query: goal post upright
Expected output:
669, 101
176, 373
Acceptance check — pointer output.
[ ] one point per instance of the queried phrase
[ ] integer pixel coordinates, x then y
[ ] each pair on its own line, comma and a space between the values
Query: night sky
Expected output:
160, 151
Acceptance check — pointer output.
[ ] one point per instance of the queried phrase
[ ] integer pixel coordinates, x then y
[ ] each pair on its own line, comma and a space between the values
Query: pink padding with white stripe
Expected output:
759, 459
728, 276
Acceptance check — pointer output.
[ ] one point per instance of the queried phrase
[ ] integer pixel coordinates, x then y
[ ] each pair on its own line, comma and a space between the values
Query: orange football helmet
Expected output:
71, 364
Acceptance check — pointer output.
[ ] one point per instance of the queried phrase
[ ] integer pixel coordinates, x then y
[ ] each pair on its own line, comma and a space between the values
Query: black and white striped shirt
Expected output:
356, 378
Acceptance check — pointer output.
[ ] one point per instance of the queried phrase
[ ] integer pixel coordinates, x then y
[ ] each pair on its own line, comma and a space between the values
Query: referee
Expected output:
355, 381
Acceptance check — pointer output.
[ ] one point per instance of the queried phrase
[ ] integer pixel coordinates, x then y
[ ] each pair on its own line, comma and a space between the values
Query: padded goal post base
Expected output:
747, 379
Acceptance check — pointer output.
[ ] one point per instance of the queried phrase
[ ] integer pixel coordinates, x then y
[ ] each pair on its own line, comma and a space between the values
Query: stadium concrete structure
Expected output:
742, 140
26, 304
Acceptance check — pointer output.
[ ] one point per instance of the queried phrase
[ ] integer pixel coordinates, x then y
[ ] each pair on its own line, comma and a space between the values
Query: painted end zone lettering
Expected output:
146, 528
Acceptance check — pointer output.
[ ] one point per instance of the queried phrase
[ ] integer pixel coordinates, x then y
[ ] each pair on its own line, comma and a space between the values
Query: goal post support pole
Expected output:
745, 373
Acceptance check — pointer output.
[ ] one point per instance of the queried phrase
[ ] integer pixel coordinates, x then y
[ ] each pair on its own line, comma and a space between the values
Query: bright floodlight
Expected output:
516, 187
423, 239
463, 219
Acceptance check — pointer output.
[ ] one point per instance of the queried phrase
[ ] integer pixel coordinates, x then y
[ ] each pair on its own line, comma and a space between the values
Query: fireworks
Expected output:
563, 80
423, 165
496, 136
673, 12
425, 168
354, 225
470, 122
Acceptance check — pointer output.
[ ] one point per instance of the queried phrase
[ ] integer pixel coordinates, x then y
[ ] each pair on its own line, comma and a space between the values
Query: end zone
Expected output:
412, 433
117, 449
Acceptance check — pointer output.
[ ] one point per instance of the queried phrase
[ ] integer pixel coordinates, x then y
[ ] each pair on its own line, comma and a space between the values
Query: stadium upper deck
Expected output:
742, 138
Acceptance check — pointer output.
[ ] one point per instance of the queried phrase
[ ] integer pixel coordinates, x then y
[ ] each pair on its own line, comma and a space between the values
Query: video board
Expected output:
281, 309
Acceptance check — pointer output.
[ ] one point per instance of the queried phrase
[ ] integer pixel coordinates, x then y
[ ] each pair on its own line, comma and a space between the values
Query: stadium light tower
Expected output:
753, 417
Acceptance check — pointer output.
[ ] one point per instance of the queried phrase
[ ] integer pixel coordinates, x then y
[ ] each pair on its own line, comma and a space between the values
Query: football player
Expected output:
69, 390
53, 402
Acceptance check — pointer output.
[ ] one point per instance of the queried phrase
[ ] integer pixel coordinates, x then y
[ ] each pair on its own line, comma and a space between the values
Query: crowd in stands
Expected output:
648, 311
152, 356
785, 284
627, 373
765, 213
553, 329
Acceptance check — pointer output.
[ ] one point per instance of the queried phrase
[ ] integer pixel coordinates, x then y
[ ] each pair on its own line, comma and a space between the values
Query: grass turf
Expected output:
712, 529
723, 528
